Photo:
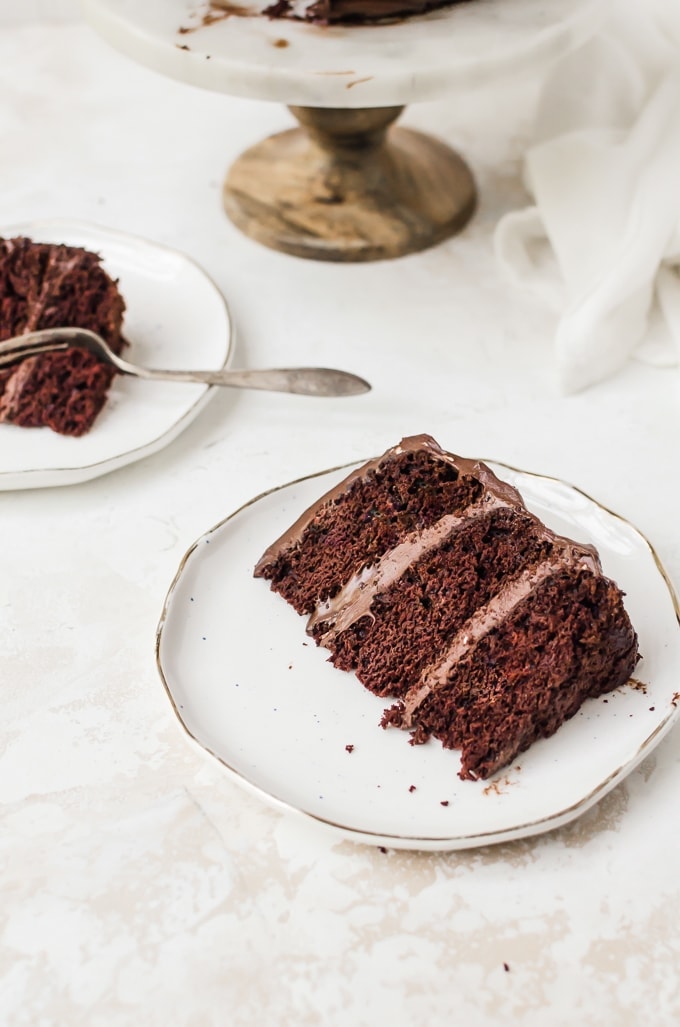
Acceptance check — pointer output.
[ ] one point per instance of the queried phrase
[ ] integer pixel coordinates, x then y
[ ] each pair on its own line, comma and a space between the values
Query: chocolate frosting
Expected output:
369, 10
412, 444
322, 12
503, 492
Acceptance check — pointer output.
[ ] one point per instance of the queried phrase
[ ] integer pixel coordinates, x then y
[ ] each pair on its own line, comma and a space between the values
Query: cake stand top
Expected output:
292, 62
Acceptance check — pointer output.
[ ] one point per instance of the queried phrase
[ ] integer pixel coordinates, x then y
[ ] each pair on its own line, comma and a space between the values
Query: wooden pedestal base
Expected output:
342, 187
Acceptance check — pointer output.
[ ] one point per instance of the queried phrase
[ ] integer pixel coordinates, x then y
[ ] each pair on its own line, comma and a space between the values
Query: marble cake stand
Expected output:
345, 186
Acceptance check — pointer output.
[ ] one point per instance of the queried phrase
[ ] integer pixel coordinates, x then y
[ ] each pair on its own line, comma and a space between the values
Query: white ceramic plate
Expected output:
291, 62
250, 688
175, 317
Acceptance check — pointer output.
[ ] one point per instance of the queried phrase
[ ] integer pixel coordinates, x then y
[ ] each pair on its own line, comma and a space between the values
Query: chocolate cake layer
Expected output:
390, 644
427, 576
495, 692
369, 514
44, 285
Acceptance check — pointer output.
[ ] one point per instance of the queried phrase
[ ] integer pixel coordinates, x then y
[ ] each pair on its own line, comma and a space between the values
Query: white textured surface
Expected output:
139, 885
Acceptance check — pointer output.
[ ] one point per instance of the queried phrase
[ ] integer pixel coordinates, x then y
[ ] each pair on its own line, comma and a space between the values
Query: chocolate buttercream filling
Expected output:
356, 596
57, 269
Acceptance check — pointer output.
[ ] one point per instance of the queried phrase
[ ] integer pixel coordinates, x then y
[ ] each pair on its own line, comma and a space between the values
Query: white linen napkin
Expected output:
603, 169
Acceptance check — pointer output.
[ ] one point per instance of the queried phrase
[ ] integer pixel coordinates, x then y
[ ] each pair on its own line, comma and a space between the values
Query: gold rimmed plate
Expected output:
253, 691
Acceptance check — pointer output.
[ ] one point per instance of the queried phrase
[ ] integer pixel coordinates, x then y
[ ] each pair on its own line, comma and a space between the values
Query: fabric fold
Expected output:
601, 241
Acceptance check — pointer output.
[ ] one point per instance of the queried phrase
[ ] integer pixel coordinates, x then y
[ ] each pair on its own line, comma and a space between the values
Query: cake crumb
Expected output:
639, 686
412, 788
499, 785
652, 708
676, 699
444, 802
382, 848
506, 968
359, 81
349, 748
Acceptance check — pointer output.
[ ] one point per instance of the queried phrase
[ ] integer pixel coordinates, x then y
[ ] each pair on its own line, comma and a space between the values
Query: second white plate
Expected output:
175, 317
253, 690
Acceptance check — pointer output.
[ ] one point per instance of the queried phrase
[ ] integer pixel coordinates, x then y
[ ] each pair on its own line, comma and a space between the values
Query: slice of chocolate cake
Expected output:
427, 576
45, 285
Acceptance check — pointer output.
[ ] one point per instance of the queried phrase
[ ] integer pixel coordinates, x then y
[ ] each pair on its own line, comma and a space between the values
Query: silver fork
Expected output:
304, 381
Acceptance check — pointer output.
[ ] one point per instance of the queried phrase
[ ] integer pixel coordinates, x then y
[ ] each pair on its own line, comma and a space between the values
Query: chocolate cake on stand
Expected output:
345, 185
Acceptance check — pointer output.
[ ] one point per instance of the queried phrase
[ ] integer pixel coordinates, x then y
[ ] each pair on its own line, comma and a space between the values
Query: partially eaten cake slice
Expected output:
426, 575
46, 285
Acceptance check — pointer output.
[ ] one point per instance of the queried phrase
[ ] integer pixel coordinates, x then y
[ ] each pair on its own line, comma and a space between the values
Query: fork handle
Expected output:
302, 381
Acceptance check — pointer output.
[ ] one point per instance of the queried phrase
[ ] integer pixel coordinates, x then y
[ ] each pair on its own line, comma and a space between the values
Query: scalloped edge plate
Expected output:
175, 317
253, 691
